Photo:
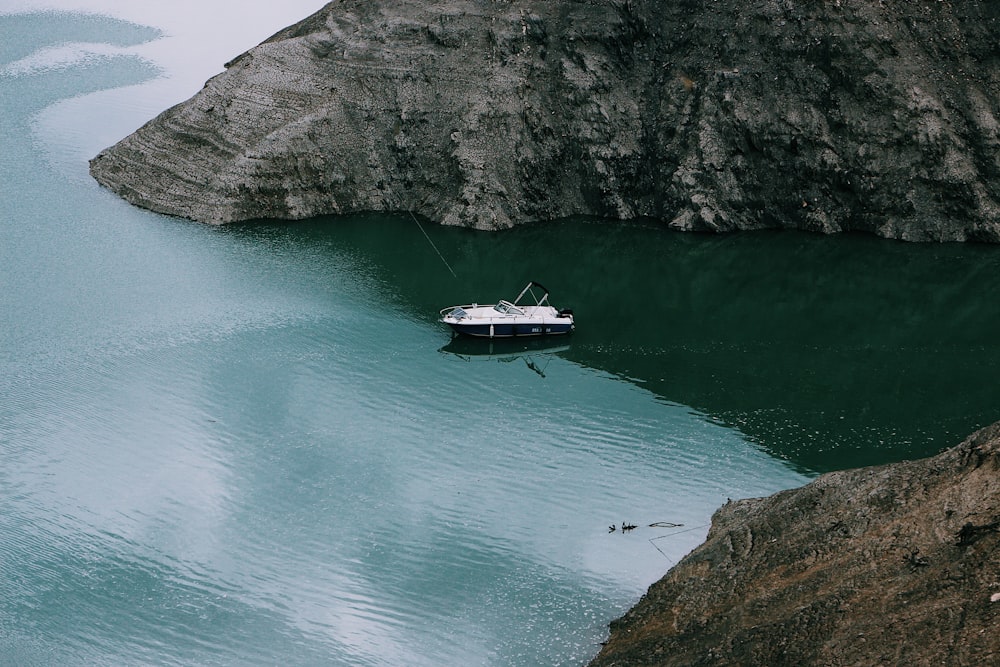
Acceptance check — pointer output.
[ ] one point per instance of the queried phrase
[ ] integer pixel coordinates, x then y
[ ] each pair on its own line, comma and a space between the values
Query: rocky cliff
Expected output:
709, 115
896, 565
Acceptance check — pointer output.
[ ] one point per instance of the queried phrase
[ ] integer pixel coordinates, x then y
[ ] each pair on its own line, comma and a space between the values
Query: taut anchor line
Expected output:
421, 228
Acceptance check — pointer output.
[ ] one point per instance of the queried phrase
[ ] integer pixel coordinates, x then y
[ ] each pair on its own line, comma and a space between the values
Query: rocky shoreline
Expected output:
712, 116
894, 564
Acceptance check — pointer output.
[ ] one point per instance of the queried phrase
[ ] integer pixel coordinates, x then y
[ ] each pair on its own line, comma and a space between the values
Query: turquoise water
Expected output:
255, 444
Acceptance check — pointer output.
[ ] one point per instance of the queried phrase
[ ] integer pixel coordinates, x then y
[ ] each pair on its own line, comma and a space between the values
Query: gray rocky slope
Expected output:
892, 565
876, 115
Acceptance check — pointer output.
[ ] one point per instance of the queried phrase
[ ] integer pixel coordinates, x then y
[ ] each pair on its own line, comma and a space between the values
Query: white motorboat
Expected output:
506, 319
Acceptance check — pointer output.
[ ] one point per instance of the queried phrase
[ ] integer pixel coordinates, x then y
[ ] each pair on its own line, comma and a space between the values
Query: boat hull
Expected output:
510, 329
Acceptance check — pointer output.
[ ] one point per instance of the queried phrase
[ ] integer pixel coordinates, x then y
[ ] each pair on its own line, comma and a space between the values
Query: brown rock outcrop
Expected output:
898, 564
722, 115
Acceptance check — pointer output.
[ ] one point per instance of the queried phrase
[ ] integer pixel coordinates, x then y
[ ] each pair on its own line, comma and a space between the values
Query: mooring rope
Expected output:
678, 532
421, 227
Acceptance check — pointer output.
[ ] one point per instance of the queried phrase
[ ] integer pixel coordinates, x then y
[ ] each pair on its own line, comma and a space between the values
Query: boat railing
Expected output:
461, 312
458, 312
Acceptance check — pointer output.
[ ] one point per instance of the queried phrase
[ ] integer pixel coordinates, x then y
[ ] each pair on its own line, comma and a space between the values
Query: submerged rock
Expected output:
724, 115
887, 565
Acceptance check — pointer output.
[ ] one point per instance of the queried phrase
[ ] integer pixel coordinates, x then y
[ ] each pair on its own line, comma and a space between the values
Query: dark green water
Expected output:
829, 352
255, 445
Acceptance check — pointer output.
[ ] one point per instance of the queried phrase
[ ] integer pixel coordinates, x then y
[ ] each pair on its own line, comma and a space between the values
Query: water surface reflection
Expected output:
830, 352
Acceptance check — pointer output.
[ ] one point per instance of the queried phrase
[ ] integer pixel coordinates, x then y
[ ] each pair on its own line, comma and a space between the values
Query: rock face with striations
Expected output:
722, 115
895, 565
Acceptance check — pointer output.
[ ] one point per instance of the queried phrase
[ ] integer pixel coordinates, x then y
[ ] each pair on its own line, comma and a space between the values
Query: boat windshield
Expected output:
507, 308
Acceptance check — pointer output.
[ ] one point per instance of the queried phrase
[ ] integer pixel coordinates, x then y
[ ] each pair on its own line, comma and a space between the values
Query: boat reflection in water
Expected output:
535, 352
